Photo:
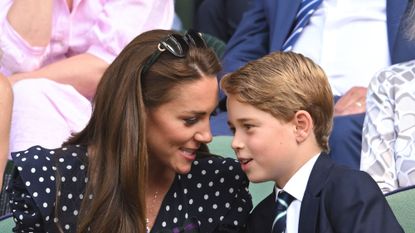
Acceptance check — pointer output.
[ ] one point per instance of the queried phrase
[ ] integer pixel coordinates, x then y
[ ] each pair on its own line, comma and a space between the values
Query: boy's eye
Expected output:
248, 126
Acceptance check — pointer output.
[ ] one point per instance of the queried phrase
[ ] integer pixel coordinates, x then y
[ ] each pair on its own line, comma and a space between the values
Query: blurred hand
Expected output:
353, 102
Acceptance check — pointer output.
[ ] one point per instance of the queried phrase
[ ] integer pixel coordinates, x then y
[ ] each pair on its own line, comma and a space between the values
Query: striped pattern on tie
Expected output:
283, 201
307, 8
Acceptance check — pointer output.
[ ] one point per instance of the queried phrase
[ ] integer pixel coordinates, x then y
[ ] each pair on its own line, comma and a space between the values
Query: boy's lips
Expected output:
244, 161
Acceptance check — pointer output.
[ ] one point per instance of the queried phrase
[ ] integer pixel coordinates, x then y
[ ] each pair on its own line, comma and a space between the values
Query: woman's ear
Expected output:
303, 125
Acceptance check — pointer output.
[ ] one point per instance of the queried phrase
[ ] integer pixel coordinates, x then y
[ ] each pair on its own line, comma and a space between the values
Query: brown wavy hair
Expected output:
283, 83
115, 134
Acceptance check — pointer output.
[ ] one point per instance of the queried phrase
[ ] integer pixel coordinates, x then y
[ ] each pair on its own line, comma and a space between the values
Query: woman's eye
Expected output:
233, 130
191, 120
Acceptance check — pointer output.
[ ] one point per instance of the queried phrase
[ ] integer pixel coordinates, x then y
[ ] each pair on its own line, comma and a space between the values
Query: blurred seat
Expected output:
6, 224
402, 202
4, 199
221, 145
215, 43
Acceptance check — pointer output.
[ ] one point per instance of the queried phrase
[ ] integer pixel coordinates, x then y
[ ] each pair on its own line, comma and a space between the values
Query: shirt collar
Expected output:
297, 184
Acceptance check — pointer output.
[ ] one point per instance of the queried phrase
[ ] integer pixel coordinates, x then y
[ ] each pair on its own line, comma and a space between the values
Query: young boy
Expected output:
280, 109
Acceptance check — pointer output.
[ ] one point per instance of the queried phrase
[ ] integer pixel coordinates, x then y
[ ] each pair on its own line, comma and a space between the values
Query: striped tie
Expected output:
283, 201
307, 8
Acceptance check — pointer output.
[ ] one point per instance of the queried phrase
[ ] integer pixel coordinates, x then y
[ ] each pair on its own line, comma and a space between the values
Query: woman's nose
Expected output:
204, 135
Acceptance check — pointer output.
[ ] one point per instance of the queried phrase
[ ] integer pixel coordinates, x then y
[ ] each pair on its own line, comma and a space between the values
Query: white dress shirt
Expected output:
349, 40
296, 187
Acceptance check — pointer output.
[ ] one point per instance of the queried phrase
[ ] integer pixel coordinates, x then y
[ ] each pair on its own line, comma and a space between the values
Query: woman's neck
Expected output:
158, 184
159, 175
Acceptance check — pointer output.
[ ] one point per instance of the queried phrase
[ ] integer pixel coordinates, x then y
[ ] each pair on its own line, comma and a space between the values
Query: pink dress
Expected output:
46, 112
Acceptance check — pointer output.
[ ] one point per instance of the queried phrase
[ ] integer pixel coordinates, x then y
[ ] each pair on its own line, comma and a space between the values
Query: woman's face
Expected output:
176, 129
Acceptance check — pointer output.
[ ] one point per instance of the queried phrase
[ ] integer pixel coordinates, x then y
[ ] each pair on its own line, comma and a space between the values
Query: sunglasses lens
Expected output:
195, 38
175, 44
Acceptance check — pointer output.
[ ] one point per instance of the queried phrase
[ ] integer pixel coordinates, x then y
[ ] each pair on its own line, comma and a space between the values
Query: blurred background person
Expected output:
219, 18
349, 39
388, 148
54, 53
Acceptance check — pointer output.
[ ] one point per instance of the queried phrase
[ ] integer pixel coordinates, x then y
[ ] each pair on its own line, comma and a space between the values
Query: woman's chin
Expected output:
184, 169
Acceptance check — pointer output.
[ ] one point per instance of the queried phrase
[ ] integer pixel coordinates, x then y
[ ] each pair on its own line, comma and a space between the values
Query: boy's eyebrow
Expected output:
241, 120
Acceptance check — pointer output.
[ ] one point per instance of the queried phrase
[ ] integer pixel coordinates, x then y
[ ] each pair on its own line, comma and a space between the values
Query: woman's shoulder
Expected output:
38, 166
39, 158
399, 73
40, 172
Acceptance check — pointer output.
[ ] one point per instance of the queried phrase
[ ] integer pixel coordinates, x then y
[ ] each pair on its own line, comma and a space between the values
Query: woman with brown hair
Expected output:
136, 167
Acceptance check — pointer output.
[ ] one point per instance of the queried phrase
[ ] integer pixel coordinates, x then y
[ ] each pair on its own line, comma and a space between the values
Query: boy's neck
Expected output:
304, 154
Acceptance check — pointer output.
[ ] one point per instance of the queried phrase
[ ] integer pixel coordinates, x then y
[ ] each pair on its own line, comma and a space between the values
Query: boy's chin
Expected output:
257, 179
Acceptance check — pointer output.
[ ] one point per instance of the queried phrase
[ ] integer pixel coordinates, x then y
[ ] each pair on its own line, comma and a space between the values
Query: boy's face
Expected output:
265, 146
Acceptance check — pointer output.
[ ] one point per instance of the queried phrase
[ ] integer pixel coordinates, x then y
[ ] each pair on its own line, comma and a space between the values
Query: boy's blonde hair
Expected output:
282, 83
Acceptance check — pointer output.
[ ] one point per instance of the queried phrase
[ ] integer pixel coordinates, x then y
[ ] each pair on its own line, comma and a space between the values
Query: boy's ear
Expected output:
303, 125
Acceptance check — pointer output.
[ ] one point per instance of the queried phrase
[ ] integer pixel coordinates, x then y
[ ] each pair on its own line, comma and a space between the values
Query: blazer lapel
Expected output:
262, 216
269, 214
310, 206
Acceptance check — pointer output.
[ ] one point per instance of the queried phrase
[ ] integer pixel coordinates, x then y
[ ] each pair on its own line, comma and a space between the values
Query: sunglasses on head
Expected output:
178, 45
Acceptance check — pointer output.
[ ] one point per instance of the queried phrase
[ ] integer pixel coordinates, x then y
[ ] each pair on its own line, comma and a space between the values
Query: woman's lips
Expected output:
189, 154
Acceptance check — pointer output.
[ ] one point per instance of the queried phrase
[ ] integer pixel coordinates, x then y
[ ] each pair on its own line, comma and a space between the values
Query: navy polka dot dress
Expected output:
212, 197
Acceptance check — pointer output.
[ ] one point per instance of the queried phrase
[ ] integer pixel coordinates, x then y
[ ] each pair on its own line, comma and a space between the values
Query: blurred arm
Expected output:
82, 71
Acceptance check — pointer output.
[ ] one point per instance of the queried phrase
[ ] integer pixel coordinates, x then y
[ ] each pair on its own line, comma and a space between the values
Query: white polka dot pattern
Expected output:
33, 191
213, 194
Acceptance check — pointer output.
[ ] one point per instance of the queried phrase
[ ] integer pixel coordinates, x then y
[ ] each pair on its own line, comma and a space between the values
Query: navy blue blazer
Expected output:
267, 24
336, 199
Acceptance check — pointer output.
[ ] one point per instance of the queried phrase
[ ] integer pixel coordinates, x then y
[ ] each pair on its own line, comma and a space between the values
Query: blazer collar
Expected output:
311, 202
269, 204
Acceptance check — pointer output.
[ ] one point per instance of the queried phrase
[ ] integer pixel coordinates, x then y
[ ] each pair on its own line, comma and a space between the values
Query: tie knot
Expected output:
284, 200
